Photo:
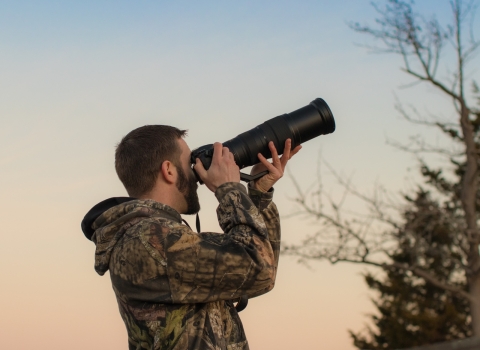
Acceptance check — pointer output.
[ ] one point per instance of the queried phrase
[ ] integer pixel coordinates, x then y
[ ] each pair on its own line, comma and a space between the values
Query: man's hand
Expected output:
223, 168
275, 169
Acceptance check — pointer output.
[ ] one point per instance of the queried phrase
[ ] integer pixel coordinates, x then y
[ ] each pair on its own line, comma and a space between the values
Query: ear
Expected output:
169, 172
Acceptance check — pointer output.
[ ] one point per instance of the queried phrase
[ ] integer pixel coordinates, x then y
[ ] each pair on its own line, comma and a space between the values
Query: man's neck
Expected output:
165, 195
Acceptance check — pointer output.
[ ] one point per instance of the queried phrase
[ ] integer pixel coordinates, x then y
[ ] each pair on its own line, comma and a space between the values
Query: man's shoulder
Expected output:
144, 245
157, 225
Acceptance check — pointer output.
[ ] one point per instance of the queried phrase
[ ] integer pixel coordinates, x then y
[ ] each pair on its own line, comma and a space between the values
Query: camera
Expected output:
300, 126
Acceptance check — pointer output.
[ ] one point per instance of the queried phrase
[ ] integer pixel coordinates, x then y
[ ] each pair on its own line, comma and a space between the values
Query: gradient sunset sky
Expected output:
77, 76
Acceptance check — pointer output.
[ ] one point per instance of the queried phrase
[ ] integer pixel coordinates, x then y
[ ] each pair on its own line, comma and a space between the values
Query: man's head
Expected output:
140, 158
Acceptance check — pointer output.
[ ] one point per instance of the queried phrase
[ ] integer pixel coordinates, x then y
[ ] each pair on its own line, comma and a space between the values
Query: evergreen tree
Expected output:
411, 311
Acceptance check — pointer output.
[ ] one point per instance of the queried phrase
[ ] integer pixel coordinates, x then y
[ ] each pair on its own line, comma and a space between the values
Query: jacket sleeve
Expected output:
204, 267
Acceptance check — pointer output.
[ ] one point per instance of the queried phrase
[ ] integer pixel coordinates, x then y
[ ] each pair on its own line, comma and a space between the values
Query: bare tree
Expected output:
370, 239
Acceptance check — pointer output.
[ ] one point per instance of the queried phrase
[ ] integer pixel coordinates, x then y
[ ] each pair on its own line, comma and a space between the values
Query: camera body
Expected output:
301, 125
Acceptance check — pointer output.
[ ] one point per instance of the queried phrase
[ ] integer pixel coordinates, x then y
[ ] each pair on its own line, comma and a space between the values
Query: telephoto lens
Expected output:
300, 126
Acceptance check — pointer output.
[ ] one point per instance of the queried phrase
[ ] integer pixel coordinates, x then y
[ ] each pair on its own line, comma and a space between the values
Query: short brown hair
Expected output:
140, 154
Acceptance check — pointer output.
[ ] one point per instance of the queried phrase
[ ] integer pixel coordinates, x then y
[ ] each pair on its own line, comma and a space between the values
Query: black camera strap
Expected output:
248, 178
197, 223
242, 303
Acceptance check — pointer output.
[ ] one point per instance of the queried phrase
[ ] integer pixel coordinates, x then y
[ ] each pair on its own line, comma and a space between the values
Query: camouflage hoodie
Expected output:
175, 287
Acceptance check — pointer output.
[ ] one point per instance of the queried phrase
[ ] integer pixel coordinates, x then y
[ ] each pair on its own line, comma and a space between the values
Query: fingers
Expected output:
276, 168
227, 154
217, 152
273, 151
270, 167
286, 153
279, 163
222, 168
220, 152
295, 151
199, 168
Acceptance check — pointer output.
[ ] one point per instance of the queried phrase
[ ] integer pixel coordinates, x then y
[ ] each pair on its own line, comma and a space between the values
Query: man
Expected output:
176, 288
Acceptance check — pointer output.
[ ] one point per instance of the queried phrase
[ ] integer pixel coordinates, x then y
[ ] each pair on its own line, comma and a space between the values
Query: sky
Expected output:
75, 77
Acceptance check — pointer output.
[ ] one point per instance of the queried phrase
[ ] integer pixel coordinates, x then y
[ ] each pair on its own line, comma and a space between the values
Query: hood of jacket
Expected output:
106, 223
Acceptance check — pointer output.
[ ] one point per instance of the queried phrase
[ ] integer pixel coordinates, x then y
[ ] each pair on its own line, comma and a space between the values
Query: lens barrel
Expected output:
300, 126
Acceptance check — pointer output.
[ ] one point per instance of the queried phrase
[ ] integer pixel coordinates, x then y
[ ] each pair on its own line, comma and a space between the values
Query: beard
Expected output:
188, 187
